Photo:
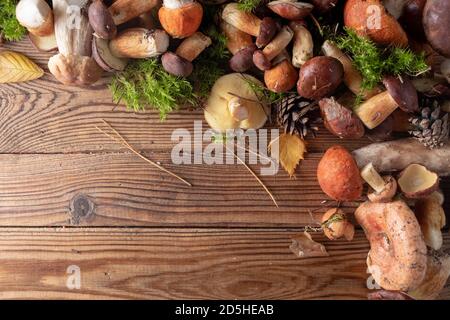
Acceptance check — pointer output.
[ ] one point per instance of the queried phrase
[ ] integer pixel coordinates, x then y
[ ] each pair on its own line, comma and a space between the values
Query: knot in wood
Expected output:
81, 208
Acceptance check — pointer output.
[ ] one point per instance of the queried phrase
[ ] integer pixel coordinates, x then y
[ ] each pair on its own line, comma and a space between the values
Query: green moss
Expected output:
10, 28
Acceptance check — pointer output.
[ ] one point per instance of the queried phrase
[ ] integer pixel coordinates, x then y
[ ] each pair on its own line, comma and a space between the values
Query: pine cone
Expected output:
431, 126
294, 113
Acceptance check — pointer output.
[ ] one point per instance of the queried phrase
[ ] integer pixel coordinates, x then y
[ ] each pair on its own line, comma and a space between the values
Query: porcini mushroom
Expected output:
338, 175
416, 181
282, 76
139, 43
319, 77
104, 58
289, 9
234, 104
180, 18
262, 58
264, 30
400, 93
335, 225
303, 44
73, 64
431, 217
180, 62
397, 258
370, 18
101, 20
241, 46
384, 188
36, 16
436, 22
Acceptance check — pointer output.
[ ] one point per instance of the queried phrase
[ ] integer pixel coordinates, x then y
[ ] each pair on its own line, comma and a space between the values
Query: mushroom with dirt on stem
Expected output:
400, 93
383, 188
290, 9
180, 63
303, 47
264, 30
262, 58
241, 46
180, 18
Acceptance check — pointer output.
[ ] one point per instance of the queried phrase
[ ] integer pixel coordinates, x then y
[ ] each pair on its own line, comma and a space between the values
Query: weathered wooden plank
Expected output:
177, 264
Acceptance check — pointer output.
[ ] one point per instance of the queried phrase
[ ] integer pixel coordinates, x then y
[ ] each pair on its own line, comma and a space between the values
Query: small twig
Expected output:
121, 140
254, 175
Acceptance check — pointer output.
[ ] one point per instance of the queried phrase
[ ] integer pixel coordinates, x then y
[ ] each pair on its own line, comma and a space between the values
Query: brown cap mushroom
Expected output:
436, 22
411, 18
36, 16
101, 20
416, 181
335, 225
241, 46
139, 43
282, 77
400, 93
383, 188
180, 18
290, 10
180, 62
264, 30
397, 258
320, 77
303, 47
125, 10
262, 58
323, 6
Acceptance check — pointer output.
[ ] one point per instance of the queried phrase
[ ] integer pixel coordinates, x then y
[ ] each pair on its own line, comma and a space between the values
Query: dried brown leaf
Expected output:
303, 246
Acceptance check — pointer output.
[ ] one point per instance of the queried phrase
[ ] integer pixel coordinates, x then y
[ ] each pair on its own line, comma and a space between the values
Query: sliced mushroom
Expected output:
416, 181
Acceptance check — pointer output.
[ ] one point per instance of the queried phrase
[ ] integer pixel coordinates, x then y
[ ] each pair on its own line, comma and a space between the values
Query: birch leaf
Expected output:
291, 151
15, 67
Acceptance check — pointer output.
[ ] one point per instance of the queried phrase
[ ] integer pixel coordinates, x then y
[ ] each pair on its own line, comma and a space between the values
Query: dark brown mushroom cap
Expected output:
290, 10
436, 23
243, 59
101, 20
176, 65
324, 5
411, 18
260, 60
403, 92
267, 31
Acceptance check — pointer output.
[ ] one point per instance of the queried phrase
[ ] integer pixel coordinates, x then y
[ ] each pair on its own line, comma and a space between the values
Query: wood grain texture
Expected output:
178, 264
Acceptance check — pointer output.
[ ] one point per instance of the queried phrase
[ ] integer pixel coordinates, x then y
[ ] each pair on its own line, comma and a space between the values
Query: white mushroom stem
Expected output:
175, 4
139, 43
375, 110
125, 10
36, 16
192, 46
237, 109
373, 178
244, 21
303, 44
279, 43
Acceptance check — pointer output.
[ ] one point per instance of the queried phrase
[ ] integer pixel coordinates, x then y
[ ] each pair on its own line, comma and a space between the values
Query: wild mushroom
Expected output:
383, 188
180, 62
45, 44
340, 120
73, 64
234, 104
338, 175
264, 30
436, 22
431, 217
411, 18
36, 16
397, 258
139, 43
352, 77
400, 93
384, 131
290, 10
370, 18
416, 181
324, 6
335, 225
282, 76
101, 20
303, 44
180, 18
262, 58
241, 46
319, 77
104, 58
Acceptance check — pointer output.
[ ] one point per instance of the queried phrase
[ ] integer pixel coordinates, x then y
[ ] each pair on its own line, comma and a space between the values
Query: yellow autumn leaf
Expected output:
291, 151
15, 67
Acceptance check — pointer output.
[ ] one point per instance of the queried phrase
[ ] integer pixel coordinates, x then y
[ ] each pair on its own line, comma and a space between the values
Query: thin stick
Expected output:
121, 140
254, 174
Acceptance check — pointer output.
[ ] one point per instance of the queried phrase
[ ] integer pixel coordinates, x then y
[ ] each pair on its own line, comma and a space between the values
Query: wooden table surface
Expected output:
147, 235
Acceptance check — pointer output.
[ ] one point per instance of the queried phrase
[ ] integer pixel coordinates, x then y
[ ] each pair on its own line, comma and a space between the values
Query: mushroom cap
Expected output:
436, 22
416, 181
260, 61
101, 20
230, 86
74, 69
411, 18
324, 5
403, 92
290, 10
389, 191
243, 59
359, 13
398, 255
181, 22
282, 77
176, 65
267, 31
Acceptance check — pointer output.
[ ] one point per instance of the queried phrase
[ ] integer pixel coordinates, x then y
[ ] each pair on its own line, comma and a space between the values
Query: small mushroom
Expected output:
282, 76
36, 16
383, 188
303, 44
416, 181
264, 30
101, 20
400, 93
241, 46
320, 77
335, 225
104, 58
431, 217
290, 10
262, 58
397, 258
370, 18
180, 18
139, 43
234, 104
180, 62
436, 22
